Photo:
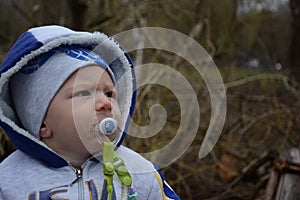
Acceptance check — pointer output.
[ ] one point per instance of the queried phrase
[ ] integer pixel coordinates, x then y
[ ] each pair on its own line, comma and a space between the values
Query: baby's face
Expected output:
87, 97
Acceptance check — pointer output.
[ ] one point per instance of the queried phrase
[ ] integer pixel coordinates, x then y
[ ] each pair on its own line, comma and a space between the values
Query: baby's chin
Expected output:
95, 147
111, 137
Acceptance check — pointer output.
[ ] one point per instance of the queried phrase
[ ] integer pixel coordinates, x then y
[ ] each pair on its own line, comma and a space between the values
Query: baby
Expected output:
58, 87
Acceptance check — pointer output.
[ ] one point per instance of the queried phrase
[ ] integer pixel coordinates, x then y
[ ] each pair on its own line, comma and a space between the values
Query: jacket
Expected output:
34, 171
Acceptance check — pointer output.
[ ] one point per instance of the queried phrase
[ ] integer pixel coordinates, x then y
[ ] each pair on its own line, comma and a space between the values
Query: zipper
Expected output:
78, 172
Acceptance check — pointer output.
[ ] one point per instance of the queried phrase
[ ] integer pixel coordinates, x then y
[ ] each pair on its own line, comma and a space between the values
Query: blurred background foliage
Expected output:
255, 45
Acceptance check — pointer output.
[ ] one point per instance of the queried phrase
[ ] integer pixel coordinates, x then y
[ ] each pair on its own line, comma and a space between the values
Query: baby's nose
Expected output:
102, 102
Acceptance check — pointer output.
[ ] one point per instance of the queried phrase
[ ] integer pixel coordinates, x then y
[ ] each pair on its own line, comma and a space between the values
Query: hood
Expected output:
37, 41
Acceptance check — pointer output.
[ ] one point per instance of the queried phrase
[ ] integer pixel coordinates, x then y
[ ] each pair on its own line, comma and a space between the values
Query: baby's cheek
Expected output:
117, 113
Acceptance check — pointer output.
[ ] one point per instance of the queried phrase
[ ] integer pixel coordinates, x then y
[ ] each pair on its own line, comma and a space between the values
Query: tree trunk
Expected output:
285, 179
78, 10
288, 187
295, 44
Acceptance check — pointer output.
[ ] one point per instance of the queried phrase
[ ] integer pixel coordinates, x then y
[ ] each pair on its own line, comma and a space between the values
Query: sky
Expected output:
260, 5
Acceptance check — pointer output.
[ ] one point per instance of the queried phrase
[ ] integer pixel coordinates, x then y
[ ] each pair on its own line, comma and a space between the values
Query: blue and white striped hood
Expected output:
40, 40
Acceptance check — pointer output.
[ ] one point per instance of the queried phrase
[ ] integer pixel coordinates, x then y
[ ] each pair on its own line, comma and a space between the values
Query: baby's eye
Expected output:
112, 94
109, 94
82, 93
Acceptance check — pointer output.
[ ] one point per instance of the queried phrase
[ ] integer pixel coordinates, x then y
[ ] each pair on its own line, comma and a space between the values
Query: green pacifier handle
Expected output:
113, 163
122, 171
108, 155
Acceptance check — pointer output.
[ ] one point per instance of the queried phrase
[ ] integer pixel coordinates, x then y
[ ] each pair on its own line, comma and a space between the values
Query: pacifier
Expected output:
108, 126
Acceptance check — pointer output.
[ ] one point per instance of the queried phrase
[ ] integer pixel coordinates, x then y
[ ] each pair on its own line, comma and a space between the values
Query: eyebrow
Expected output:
74, 86
88, 84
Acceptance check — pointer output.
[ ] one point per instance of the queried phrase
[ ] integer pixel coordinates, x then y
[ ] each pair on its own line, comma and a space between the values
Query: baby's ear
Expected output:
45, 131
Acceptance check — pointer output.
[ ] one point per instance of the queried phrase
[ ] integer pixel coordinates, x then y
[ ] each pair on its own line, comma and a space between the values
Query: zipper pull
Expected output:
78, 173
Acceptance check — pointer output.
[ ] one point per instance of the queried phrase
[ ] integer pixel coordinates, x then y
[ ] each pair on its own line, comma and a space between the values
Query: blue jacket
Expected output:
35, 171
